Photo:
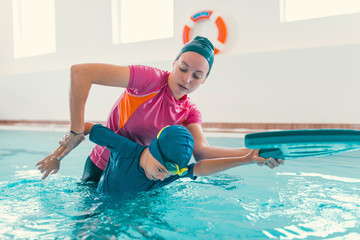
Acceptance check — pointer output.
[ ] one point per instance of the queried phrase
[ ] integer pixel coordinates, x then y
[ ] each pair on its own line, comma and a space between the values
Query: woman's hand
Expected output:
70, 141
50, 164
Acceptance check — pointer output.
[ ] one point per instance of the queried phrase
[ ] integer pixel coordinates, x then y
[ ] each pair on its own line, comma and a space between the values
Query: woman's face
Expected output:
188, 73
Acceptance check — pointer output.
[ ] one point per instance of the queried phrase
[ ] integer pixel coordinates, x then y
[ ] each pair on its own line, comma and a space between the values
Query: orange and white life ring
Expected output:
219, 44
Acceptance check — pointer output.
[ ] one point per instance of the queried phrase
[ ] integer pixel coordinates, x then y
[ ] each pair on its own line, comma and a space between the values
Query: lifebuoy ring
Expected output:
213, 16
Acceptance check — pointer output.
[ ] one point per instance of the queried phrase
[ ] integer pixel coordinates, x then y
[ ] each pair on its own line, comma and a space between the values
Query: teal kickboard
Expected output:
292, 144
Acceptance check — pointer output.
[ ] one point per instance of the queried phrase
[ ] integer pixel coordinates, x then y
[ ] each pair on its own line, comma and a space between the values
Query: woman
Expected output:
152, 100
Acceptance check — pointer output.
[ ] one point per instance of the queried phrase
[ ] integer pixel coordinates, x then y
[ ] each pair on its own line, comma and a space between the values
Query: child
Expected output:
134, 168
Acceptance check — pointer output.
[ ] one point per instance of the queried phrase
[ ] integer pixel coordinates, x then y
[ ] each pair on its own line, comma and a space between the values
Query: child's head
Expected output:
173, 147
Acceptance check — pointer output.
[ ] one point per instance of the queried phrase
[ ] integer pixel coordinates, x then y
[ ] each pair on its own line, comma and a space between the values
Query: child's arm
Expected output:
210, 166
106, 137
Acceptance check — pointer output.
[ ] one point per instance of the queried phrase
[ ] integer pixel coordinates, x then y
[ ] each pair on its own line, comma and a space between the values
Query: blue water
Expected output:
314, 198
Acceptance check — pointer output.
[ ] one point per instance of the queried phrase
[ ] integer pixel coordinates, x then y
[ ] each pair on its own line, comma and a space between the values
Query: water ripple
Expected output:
9, 152
324, 176
279, 205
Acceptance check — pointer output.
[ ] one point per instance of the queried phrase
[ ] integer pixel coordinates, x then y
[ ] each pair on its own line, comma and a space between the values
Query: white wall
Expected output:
299, 72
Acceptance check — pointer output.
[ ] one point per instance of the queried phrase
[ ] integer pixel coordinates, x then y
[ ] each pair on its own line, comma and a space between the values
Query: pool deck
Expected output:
240, 128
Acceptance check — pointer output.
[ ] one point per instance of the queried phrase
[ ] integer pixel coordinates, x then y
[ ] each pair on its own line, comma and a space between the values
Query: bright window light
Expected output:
34, 27
295, 10
142, 20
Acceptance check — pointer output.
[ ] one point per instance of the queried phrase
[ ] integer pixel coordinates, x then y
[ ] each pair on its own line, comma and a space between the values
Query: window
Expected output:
131, 23
295, 10
34, 27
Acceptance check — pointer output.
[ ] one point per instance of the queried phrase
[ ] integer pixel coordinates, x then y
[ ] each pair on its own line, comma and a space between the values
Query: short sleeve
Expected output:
145, 80
194, 116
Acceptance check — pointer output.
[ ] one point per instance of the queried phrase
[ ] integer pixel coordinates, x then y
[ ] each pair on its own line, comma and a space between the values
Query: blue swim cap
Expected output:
202, 46
176, 144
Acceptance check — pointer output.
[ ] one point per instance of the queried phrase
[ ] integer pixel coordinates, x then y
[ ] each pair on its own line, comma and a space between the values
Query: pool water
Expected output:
313, 198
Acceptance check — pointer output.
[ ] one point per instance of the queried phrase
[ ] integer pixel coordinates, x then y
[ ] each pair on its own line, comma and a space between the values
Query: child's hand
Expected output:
270, 162
50, 164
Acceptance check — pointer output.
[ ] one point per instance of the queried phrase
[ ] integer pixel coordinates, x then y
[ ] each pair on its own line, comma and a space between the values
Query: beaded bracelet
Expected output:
77, 133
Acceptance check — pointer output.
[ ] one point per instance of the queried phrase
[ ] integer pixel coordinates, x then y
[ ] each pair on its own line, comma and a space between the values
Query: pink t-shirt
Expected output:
145, 107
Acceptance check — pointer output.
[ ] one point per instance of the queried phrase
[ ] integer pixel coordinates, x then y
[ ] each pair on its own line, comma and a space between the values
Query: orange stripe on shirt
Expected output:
187, 110
128, 105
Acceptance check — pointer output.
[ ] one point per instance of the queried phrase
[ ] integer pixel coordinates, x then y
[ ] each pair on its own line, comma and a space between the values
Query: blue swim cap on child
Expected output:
176, 144
202, 46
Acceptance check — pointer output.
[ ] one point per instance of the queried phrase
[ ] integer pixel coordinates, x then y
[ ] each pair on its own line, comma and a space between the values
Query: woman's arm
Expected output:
82, 77
210, 166
202, 150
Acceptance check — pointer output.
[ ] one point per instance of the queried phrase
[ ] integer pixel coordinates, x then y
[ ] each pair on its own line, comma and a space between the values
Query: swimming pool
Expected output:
314, 198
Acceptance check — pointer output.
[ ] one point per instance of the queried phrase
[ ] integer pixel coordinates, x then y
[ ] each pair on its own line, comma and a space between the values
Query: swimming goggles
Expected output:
170, 165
